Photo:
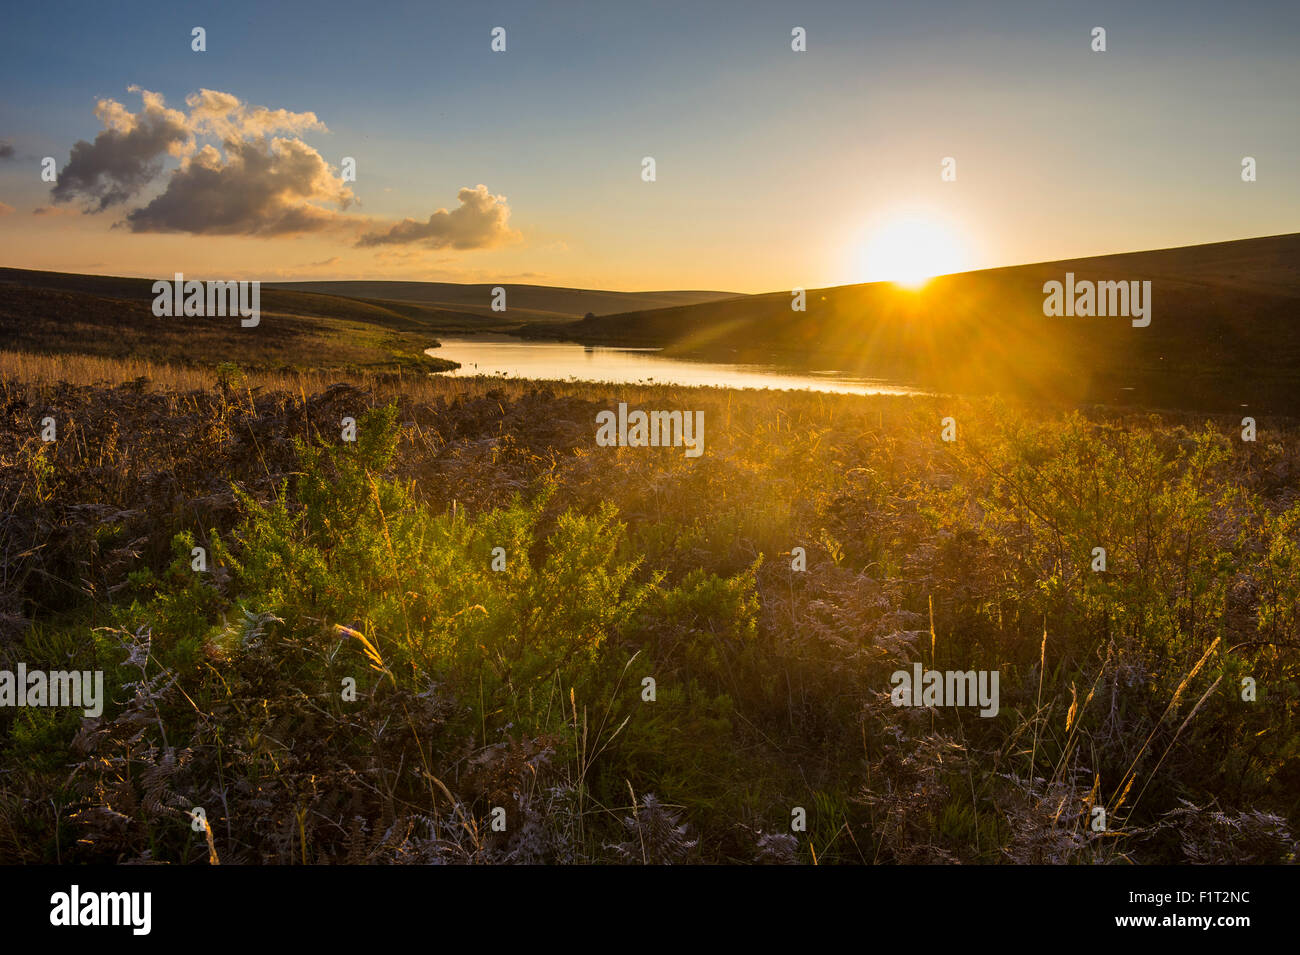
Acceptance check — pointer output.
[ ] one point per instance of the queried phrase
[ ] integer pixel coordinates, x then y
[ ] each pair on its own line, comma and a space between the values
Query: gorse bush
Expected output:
349, 547
1157, 513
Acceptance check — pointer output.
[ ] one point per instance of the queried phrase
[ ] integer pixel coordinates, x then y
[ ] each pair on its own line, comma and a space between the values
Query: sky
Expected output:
774, 169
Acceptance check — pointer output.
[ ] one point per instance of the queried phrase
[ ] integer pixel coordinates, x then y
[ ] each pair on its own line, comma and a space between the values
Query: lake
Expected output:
507, 357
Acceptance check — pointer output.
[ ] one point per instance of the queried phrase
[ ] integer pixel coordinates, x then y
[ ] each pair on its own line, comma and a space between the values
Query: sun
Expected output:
910, 250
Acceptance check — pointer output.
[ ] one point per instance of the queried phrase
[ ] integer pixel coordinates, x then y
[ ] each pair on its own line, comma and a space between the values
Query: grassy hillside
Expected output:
1225, 330
537, 303
60, 313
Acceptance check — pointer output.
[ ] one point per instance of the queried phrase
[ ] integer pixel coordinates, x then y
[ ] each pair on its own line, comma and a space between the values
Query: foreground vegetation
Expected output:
523, 689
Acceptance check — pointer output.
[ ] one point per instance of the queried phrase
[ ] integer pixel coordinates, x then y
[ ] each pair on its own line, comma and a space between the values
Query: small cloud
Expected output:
481, 221
53, 211
396, 255
5, 209
6, 150
325, 264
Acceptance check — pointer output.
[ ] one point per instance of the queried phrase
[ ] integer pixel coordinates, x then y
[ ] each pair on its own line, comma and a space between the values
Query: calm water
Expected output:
500, 355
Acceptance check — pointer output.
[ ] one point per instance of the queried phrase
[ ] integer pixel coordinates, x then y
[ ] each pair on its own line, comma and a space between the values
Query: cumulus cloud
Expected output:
263, 185
257, 183
257, 188
479, 222
245, 170
126, 156
6, 150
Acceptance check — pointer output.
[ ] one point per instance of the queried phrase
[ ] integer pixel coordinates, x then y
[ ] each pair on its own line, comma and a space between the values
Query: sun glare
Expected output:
910, 251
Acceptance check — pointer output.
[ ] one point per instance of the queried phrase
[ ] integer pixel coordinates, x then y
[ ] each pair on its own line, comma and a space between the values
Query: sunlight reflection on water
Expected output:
502, 356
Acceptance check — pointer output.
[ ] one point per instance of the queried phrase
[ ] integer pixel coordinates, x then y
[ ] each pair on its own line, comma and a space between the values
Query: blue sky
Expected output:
774, 168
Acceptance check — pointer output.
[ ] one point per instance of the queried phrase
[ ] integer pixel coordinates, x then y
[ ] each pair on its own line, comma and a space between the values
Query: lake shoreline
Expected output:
497, 355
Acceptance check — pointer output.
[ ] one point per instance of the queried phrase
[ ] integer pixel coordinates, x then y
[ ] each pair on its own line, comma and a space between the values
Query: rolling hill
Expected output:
59, 312
314, 324
534, 303
1224, 330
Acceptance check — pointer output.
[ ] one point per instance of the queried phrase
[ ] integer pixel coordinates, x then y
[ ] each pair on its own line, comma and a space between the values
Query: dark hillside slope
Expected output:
1224, 331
